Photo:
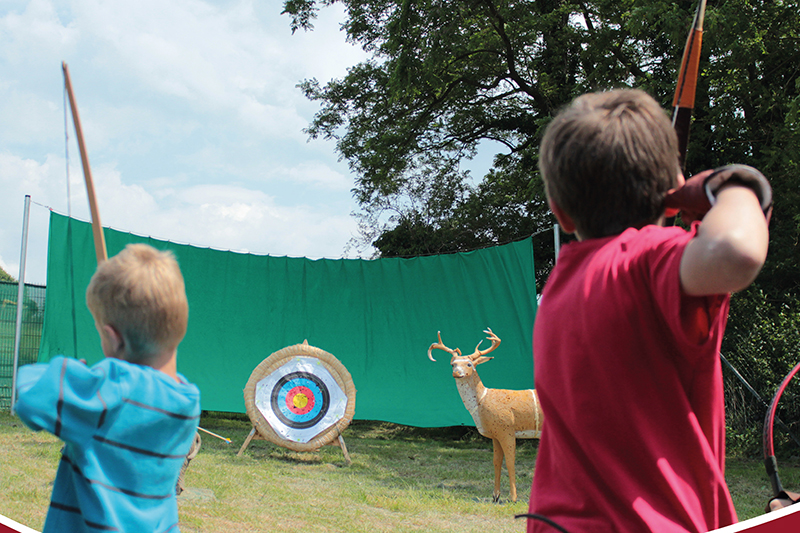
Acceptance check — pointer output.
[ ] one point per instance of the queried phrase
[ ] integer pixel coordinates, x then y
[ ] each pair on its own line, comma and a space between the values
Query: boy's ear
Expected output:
563, 219
116, 342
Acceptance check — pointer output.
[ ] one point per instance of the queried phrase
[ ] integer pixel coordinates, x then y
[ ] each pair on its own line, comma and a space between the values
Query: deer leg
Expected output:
509, 444
498, 465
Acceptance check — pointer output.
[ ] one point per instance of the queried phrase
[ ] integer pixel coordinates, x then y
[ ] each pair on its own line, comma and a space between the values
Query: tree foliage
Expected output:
5, 276
447, 78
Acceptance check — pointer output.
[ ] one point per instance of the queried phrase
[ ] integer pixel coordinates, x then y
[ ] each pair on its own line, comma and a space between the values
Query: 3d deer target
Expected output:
300, 398
501, 415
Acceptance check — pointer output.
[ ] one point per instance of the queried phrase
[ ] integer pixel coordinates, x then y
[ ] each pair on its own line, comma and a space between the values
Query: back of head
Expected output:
608, 160
141, 293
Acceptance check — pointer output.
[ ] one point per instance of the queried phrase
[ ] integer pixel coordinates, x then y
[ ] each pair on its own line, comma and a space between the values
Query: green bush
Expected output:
761, 343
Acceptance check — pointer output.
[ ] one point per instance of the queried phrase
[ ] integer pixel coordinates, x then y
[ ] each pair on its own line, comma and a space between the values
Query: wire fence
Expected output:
747, 400
33, 302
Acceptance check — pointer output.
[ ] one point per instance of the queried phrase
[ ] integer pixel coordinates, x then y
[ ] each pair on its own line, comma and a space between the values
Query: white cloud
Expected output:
20, 177
219, 216
317, 174
216, 60
33, 118
34, 32
237, 218
192, 119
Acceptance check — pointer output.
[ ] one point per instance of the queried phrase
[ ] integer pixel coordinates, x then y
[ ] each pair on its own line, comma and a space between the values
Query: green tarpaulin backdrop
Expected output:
378, 317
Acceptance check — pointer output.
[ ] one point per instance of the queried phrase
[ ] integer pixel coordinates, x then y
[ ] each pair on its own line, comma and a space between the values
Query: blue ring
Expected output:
284, 392
321, 400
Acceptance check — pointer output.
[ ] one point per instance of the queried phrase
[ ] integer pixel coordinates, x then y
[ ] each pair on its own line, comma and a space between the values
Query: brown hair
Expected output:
141, 293
608, 159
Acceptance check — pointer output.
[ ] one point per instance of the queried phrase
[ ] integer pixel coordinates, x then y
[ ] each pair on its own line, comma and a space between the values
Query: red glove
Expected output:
696, 197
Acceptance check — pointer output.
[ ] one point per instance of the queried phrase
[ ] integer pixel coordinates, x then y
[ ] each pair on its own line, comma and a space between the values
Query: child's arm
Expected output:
730, 247
63, 397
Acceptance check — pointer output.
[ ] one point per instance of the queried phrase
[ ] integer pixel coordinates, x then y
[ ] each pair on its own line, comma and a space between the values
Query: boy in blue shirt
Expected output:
128, 421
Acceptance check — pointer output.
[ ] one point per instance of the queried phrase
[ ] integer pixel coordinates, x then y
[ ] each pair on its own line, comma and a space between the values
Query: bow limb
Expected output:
770, 463
683, 103
97, 228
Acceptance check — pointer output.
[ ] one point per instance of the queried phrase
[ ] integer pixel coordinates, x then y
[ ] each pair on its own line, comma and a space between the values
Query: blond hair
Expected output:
608, 160
141, 293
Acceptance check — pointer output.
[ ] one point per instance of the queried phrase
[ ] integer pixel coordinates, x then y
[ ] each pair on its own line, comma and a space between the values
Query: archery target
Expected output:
300, 399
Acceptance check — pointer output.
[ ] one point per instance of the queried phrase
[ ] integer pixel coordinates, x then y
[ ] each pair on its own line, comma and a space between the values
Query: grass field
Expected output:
401, 479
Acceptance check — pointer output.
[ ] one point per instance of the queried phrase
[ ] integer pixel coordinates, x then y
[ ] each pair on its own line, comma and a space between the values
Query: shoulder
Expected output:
654, 237
654, 248
648, 245
123, 371
654, 254
153, 387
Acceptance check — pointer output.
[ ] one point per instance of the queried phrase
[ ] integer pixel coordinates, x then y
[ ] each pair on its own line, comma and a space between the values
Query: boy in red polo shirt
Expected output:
627, 335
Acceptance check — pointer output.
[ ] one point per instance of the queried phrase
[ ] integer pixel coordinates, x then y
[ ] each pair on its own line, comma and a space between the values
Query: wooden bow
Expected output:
770, 463
97, 228
683, 103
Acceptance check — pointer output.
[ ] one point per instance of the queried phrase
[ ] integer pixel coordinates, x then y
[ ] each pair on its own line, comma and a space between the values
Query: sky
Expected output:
192, 121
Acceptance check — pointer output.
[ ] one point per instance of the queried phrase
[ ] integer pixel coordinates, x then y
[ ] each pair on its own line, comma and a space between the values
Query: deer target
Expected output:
501, 415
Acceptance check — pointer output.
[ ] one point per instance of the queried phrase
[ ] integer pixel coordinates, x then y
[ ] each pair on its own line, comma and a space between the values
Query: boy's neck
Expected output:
168, 364
165, 362
660, 222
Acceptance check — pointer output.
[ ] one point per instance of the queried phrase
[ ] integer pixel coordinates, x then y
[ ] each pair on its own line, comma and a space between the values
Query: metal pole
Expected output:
557, 239
20, 296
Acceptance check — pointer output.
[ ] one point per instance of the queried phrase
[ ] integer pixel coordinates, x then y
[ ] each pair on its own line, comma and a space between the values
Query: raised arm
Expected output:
731, 244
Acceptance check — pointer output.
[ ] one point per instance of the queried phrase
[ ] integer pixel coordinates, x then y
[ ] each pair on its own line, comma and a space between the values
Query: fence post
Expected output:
20, 296
556, 241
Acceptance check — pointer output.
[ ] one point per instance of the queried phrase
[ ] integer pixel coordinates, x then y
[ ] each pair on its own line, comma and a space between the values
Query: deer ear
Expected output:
482, 359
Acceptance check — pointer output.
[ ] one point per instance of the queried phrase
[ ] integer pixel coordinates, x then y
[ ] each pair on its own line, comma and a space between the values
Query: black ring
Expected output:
293, 423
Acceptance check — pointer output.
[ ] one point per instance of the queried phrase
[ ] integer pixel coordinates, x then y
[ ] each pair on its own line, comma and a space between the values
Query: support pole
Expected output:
20, 296
557, 239
253, 434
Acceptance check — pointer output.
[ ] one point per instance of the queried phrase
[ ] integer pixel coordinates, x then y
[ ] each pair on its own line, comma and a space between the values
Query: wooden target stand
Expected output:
300, 398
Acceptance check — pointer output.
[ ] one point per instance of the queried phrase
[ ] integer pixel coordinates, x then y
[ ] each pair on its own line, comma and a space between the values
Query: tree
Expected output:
5, 276
445, 77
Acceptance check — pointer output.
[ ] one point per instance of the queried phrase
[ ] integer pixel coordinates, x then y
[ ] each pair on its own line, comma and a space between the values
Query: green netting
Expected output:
32, 313
377, 317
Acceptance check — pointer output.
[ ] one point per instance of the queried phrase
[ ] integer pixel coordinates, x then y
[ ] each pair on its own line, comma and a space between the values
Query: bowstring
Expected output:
66, 152
70, 261
542, 518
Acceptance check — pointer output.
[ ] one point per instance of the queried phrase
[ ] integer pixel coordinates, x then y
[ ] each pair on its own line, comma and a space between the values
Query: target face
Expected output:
300, 399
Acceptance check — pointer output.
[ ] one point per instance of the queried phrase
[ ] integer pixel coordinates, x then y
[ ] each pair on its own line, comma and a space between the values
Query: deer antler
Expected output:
440, 346
495, 343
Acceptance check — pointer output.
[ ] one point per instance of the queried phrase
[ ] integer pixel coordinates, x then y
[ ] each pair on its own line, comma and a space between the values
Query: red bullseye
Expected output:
300, 400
